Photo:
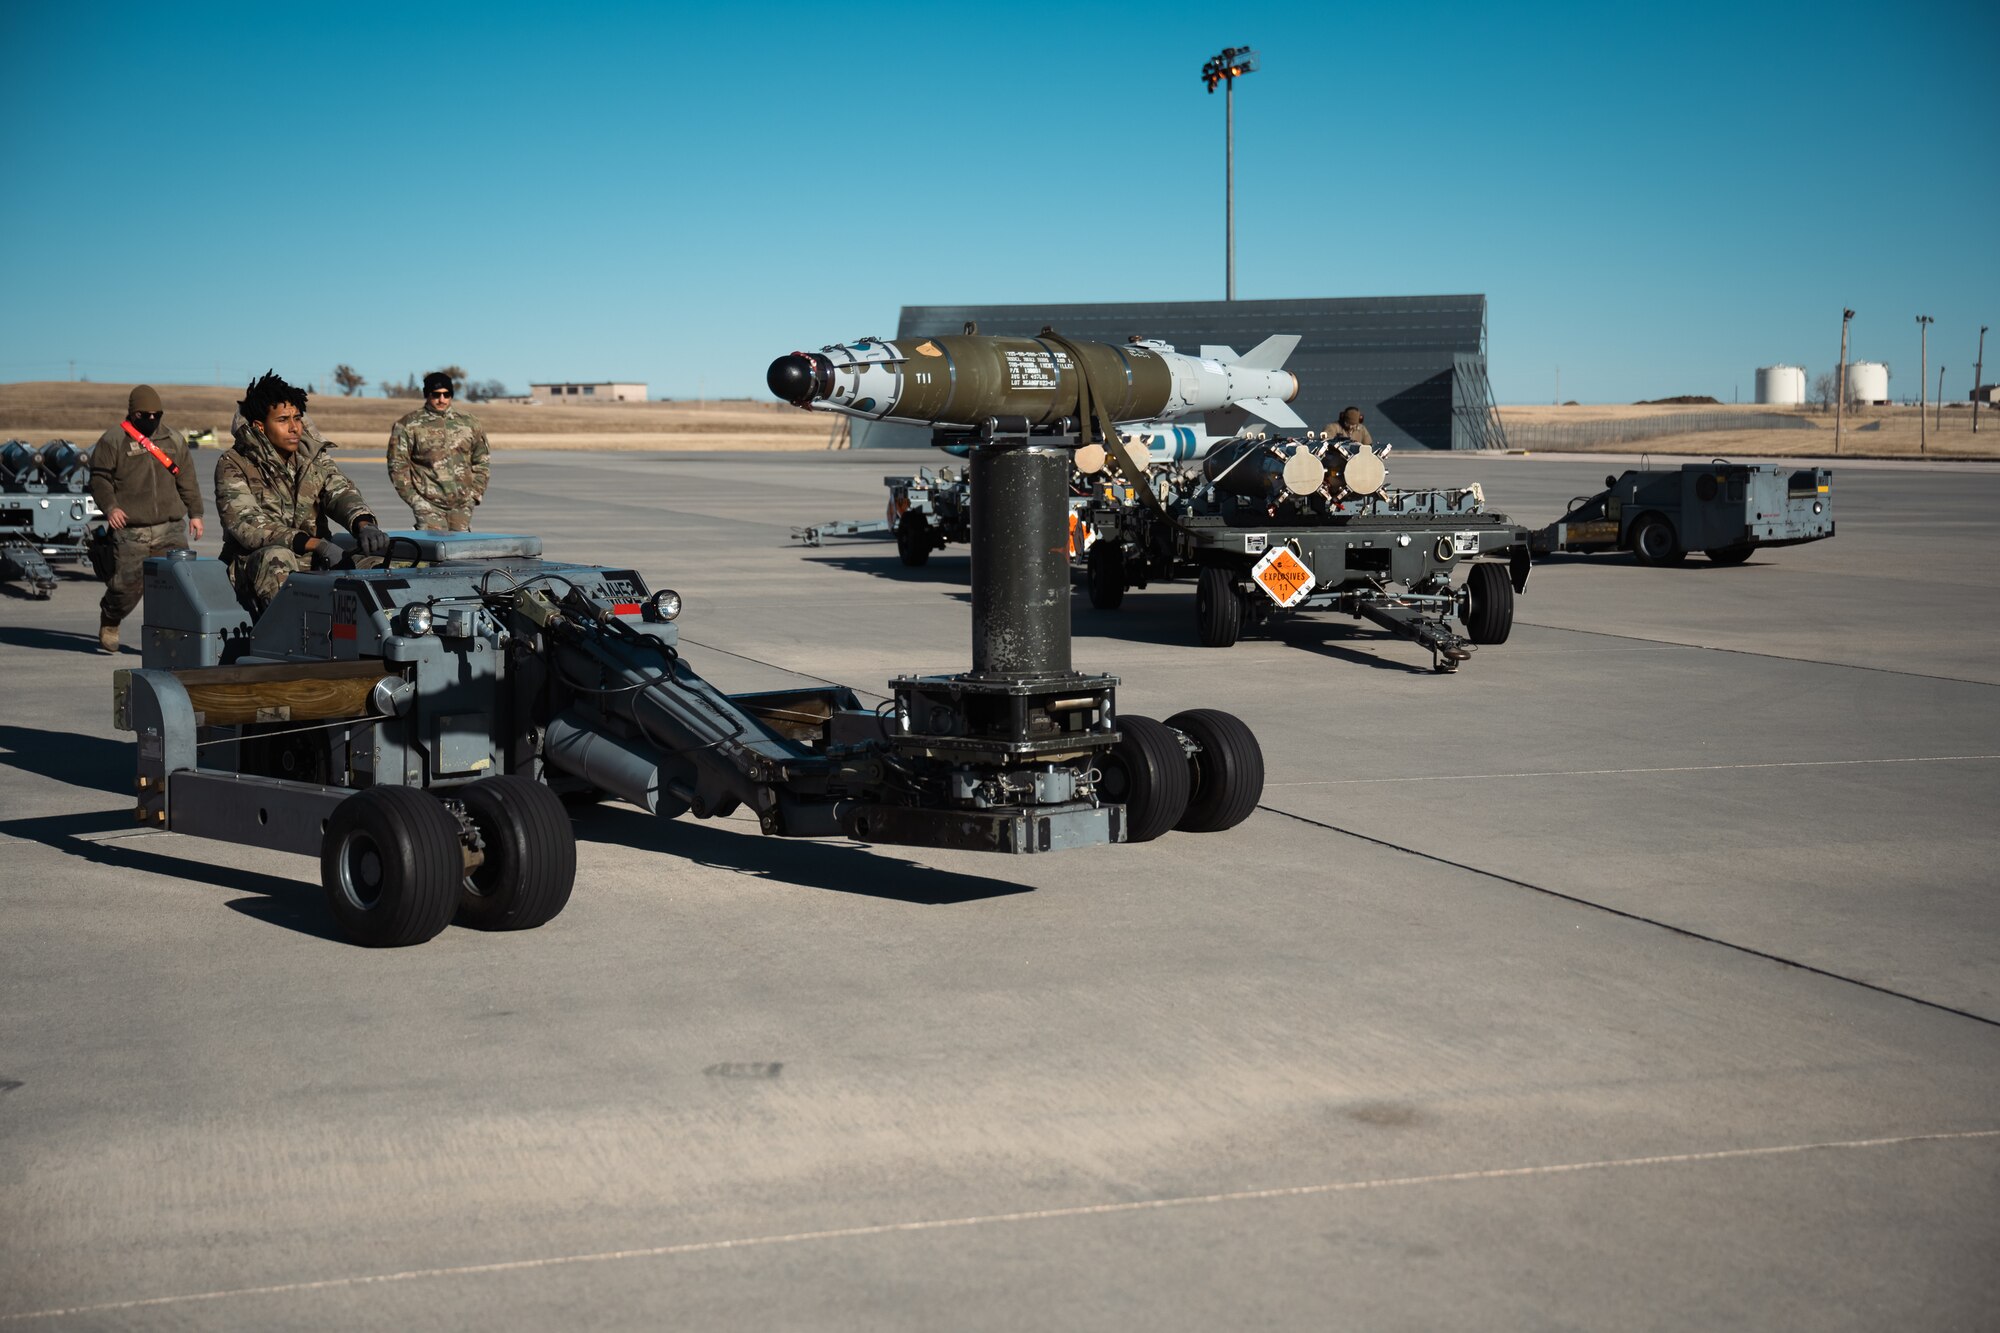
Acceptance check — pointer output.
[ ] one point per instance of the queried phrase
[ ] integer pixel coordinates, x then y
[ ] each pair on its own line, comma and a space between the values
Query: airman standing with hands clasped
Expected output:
143, 480
437, 460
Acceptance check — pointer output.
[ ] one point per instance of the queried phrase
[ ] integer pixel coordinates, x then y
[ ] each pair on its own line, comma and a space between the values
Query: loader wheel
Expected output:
913, 539
1729, 555
1227, 777
530, 863
1489, 605
1654, 542
1147, 772
1104, 574
391, 866
1218, 608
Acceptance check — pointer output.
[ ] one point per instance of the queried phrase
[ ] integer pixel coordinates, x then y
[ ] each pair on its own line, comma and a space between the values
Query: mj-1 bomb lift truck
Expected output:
1727, 511
416, 726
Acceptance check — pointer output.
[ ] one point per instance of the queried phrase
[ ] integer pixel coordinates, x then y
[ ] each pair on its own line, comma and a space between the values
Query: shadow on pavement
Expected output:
840, 867
61, 640
280, 902
60, 756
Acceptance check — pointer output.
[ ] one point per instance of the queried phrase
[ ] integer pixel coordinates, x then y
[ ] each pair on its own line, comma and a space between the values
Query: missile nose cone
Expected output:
800, 378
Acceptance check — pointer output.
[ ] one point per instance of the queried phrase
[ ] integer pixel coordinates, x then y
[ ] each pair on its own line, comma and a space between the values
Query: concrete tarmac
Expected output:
1643, 974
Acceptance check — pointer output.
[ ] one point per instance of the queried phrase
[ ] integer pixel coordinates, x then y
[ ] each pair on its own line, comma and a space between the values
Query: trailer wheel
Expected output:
1147, 772
1489, 605
1729, 555
1654, 542
913, 539
530, 863
1227, 777
1104, 575
1218, 608
390, 864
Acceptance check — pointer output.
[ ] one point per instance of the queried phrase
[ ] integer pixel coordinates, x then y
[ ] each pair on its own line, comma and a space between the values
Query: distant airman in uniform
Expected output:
1349, 427
437, 460
276, 490
143, 480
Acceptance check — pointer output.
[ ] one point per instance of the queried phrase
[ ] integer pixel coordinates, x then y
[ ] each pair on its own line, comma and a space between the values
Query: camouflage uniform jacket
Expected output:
437, 460
125, 475
266, 499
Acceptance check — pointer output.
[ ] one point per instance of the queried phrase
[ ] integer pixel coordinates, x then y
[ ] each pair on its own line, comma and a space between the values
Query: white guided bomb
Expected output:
966, 379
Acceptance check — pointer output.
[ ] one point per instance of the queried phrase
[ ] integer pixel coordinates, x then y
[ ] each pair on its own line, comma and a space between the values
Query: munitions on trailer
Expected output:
964, 380
45, 510
1269, 526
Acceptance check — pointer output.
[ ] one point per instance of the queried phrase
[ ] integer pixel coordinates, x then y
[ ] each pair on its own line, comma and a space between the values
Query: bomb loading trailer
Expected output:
1270, 527
45, 511
416, 727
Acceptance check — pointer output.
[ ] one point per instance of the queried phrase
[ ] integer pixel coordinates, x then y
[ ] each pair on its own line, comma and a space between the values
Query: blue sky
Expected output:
1657, 200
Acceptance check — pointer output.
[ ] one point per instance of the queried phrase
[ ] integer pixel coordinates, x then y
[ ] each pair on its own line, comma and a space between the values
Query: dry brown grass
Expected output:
1869, 432
40, 410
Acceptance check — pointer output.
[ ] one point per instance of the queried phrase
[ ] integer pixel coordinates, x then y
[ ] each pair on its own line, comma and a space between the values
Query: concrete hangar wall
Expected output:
1416, 365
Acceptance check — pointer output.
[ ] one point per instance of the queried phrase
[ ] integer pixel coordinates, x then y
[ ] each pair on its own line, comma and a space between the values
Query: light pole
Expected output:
1924, 323
1939, 400
1226, 69
1978, 369
1840, 381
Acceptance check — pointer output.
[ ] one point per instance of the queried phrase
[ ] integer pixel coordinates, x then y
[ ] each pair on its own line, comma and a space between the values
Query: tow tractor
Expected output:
1727, 511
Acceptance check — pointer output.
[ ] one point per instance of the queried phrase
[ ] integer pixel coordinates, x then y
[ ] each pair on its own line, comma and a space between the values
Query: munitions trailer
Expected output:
45, 511
1268, 527
1725, 510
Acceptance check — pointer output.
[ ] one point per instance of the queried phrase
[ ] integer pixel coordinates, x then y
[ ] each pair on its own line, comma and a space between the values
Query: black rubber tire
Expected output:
1730, 555
1489, 608
913, 539
1104, 575
1146, 772
530, 864
391, 866
1654, 542
1218, 608
1226, 780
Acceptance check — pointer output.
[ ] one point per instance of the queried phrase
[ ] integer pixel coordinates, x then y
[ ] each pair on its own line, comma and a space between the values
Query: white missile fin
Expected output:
1274, 411
1217, 352
1271, 354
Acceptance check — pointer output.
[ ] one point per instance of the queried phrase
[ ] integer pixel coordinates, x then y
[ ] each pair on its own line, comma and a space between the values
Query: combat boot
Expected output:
107, 639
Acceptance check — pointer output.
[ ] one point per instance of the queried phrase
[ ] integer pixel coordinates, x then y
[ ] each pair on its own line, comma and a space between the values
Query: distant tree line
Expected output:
351, 382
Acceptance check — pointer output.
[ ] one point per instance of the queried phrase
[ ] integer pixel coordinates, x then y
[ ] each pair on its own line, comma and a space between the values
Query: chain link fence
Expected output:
1581, 436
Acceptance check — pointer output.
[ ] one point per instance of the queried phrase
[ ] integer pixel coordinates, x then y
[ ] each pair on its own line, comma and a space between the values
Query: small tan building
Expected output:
580, 391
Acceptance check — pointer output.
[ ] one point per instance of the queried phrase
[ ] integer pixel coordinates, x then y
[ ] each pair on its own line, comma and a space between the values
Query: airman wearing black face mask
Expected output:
141, 477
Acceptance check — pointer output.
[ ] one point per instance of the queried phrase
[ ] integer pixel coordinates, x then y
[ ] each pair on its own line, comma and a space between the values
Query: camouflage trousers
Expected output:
127, 583
429, 518
260, 574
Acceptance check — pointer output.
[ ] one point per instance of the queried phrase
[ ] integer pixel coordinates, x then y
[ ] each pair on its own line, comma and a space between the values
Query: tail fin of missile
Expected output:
1230, 420
1271, 354
1217, 352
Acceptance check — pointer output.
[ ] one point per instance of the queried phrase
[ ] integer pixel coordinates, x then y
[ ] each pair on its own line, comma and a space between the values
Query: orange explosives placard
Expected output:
1283, 576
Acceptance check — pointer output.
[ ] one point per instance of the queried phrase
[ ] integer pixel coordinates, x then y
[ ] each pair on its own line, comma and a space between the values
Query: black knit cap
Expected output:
437, 379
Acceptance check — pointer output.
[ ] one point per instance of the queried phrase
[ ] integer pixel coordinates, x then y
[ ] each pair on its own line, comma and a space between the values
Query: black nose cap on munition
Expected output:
800, 378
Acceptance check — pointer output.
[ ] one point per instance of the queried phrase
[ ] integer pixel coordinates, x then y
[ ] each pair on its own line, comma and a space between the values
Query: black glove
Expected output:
369, 539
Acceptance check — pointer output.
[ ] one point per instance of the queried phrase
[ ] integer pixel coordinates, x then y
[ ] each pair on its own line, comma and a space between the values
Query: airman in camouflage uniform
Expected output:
1349, 427
149, 506
437, 460
276, 491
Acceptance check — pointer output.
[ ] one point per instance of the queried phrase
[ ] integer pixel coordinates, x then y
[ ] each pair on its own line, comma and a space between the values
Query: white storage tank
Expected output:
1867, 382
1782, 385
